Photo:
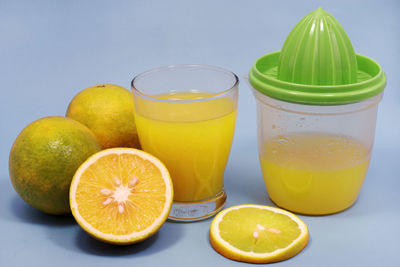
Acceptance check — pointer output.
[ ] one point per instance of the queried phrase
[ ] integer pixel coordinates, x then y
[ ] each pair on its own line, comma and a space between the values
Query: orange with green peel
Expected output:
44, 158
107, 110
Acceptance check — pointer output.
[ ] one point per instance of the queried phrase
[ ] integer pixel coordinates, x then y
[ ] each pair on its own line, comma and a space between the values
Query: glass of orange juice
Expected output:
185, 116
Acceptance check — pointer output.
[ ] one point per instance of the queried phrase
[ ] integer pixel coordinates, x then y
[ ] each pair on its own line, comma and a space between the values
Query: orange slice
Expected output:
257, 234
121, 195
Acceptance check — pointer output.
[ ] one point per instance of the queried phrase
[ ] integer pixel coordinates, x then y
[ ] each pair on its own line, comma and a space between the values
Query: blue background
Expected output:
50, 50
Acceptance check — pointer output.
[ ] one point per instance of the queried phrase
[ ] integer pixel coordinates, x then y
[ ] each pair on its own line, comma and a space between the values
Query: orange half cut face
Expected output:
121, 195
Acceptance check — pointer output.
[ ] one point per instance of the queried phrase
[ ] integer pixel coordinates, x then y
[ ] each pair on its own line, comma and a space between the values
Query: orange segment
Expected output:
121, 195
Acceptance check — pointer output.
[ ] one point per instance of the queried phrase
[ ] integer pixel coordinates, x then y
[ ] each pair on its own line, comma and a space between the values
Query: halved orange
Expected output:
258, 234
121, 195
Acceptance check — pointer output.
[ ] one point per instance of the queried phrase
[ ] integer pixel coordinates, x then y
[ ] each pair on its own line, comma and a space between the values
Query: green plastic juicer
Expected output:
317, 65
317, 103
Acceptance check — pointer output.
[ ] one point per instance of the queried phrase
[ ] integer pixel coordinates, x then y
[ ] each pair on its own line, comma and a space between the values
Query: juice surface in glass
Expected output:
314, 173
193, 139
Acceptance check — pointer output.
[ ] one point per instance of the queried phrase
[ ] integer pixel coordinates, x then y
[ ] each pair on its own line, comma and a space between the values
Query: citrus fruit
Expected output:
44, 158
121, 195
257, 234
107, 110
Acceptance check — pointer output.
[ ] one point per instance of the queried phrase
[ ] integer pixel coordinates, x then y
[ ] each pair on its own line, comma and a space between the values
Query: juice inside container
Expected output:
316, 172
316, 106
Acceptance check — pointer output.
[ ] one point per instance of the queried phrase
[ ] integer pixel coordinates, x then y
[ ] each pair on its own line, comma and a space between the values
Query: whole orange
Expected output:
107, 110
44, 158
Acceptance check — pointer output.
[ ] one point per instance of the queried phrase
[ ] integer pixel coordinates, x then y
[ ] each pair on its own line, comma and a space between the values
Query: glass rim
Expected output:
176, 66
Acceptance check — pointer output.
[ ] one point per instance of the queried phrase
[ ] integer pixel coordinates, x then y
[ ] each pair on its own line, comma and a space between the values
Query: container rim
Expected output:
263, 77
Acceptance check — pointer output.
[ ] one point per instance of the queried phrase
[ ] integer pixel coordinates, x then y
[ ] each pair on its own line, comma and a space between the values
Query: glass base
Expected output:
192, 211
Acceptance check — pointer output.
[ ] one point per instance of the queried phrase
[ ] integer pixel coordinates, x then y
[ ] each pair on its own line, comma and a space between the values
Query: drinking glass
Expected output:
185, 116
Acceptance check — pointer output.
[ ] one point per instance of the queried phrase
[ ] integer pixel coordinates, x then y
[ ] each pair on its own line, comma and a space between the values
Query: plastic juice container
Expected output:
185, 116
317, 103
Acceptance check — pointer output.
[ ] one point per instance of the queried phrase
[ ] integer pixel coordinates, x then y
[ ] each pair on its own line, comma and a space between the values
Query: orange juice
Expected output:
314, 173
192, 138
